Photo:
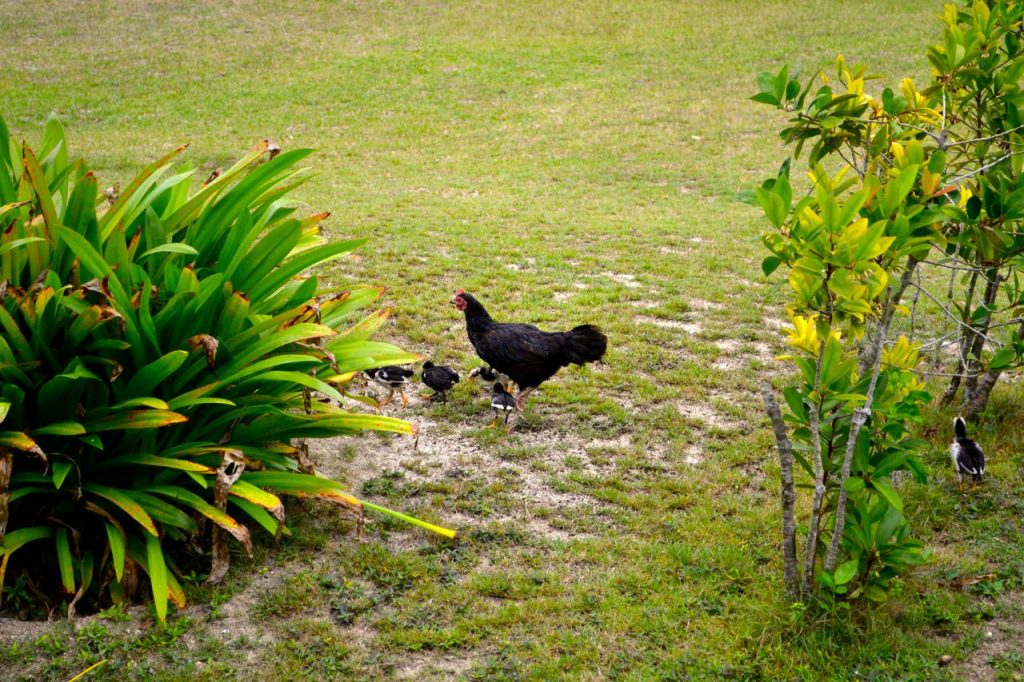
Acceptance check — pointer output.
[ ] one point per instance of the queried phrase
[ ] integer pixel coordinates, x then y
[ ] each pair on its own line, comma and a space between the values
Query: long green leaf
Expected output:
60, 429
164, 462
260, 515
135, 419
300, 485
172, 247
153, 374
93, 263
108, 221
18, 242
197, 503
16, 539
278, 277
19, 537
64, 560
157, 569
126, 503
447, 532
300, 379
115, 537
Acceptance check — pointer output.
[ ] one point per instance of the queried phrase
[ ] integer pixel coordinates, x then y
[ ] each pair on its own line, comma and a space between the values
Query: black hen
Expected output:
968, 458
524, 353
439, 378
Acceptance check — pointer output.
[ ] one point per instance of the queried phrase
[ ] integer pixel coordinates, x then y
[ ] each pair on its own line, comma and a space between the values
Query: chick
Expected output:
392, 378
502, 402
439, 378
967, 456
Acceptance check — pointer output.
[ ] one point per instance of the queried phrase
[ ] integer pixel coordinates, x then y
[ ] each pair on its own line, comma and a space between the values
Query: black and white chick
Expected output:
488, 374
439, 378
968, 457
393, 378
502, 402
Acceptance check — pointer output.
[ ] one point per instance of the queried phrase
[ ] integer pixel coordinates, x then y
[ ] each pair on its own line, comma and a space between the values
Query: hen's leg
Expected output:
520, 406
522, 396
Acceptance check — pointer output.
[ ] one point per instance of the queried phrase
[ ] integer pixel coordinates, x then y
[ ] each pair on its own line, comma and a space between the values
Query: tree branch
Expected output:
785, 448
811, 550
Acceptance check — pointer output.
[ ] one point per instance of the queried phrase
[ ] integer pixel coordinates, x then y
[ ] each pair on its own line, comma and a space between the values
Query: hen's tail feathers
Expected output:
960, 427
586, 344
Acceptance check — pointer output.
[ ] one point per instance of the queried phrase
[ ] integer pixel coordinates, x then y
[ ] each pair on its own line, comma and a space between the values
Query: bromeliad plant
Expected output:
161, 349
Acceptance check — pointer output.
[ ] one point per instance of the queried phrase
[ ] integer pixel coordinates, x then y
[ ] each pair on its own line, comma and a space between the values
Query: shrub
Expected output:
161, 349
927, 177
850, 247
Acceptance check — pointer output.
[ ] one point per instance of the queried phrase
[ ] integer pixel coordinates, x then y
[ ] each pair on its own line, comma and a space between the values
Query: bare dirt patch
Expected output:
706, 414
423, 667
626, 280
701, 304
688, 327
737, 354
1002, 638
443, 448
728, 364
694, 456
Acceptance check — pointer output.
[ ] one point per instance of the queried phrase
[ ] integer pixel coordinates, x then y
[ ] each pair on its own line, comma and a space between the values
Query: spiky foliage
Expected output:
161, 348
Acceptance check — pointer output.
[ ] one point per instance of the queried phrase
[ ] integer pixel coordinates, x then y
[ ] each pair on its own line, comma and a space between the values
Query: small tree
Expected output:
850, 247
977, 71
928, 179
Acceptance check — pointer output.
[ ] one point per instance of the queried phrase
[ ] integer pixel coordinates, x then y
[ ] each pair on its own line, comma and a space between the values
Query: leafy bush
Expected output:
850, 248
928, 177
161, 348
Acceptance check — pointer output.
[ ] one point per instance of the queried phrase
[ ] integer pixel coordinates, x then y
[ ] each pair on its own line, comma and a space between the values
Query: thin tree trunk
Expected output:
980, 331
965, 341
814, 529
785, 448
976, 400
974, 396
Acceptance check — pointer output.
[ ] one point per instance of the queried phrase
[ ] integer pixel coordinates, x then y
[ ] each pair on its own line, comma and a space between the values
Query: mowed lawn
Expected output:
566, 162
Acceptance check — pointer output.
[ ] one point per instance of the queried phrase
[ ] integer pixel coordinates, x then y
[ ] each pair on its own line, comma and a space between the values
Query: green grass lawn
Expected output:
566, 162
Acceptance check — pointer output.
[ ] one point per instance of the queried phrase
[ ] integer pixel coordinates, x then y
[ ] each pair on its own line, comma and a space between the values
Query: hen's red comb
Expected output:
460, 291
